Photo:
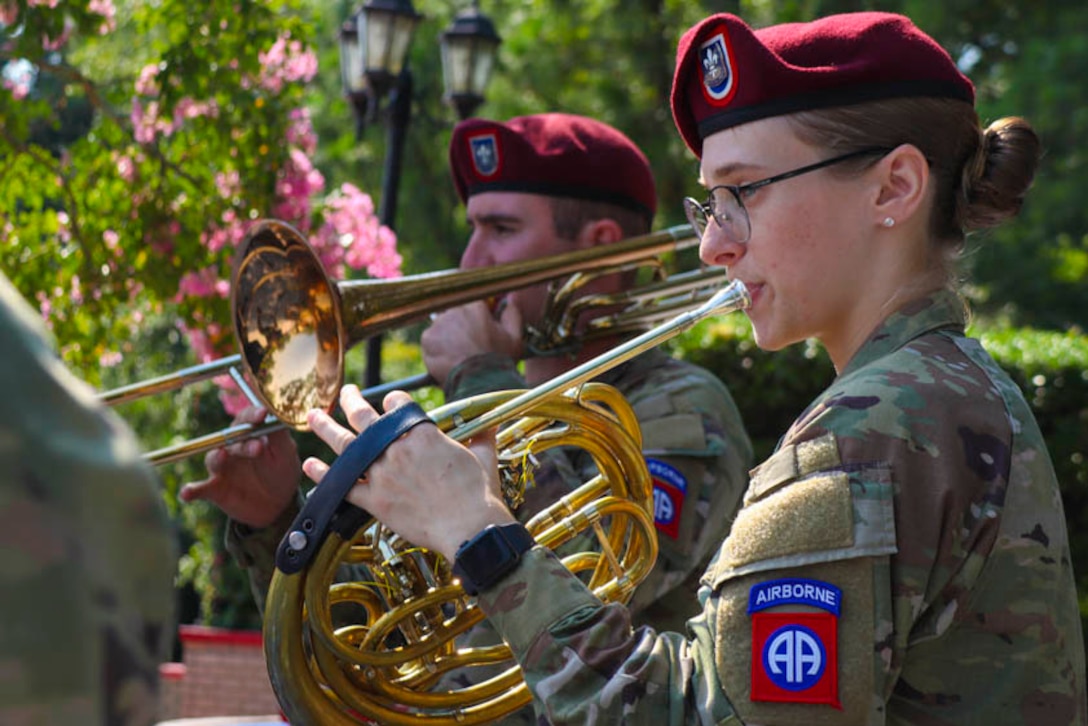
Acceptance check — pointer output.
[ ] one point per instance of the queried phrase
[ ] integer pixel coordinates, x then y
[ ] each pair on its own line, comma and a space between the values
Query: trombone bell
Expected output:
287, 322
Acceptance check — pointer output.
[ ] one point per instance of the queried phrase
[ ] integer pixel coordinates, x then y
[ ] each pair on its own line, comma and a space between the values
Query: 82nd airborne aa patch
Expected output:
670, 490
795, 653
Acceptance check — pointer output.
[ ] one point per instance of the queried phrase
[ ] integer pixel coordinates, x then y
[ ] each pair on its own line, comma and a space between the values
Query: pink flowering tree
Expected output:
191, 135
137, 144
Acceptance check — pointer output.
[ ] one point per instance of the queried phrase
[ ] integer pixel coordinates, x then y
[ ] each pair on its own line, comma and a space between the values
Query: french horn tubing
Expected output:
394, 642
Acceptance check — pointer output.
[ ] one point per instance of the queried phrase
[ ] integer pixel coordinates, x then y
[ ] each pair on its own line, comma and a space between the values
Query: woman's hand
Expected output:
426, 487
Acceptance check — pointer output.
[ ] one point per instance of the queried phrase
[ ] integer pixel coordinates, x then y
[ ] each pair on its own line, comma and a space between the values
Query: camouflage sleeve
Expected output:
88, 598
254, 549
584, 662
483, 373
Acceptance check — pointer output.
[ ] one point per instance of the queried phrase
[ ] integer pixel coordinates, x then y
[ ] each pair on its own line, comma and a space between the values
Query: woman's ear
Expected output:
903, 178
599, 232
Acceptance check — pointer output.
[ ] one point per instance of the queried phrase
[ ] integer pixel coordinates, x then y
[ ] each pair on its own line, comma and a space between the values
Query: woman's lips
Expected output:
755, 291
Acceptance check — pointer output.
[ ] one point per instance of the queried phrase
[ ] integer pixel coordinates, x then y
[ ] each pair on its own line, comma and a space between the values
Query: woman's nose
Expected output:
720, 249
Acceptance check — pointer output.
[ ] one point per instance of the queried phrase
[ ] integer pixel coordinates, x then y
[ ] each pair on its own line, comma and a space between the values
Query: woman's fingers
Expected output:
395, 399
329, 431
316, 469
357, 410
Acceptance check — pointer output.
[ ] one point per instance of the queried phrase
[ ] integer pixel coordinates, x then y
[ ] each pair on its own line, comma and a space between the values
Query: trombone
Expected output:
293, 325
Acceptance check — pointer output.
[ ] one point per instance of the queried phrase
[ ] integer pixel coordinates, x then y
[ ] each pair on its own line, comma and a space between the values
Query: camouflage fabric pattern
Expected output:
88, 560
919, 484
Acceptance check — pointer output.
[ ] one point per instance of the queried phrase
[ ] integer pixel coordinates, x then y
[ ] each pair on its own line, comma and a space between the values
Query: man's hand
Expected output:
462, 332
253, 481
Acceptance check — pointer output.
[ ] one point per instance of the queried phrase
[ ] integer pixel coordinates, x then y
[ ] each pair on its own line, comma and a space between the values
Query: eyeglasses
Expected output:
725, 203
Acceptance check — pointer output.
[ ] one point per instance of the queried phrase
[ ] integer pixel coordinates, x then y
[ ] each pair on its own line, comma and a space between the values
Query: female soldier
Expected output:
902, 557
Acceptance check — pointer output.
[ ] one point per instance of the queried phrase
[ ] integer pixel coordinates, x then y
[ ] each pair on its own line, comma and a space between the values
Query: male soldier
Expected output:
536, 186
553, 183
88, 604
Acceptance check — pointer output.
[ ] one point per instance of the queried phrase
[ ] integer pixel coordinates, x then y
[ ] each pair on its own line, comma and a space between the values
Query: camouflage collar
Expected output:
941, 309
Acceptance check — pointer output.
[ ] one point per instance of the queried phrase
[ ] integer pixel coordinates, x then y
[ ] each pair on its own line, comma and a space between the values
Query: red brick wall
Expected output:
223, 674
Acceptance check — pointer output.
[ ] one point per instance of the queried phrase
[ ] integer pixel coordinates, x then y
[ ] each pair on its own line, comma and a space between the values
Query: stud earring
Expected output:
889, 222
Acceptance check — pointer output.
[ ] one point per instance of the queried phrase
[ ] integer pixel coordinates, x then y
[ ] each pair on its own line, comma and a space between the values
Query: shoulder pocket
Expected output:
803, 507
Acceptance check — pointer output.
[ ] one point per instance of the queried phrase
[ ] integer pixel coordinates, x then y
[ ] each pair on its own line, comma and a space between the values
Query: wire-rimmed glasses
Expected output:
725, 202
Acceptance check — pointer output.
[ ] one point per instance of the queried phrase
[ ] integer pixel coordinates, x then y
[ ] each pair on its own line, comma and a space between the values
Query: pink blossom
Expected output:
203, 283
112, 240
231, 396
19, 91
106, 10
76, 294
231, 234
9, 13
60, 41
126, 168
42, 4
187, 109
45, 306
147, 83
300, 131
351, 234
228, 183
109, 359
286, 62
200, 338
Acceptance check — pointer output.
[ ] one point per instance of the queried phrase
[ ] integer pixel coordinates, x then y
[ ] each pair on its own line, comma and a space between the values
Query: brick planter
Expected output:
223, 673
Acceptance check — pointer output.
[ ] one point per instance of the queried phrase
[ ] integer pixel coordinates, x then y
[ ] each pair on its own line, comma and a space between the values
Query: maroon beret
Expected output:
728, 74
554, 154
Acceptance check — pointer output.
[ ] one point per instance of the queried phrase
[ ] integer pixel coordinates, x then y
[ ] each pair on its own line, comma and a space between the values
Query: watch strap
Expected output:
491, 555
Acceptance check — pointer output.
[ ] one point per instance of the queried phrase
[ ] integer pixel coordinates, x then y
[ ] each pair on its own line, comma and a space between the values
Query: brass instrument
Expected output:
391, 662
293, 325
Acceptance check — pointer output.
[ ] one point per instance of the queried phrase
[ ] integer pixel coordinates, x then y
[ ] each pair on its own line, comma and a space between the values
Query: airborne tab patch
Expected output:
794, 653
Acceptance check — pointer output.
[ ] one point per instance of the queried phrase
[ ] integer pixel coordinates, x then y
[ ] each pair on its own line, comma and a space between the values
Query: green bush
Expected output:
771, 389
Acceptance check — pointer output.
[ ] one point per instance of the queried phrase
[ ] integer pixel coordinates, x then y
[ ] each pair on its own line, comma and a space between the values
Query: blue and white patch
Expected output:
795, 591
716, 68
485, 154
670, 490
795, 658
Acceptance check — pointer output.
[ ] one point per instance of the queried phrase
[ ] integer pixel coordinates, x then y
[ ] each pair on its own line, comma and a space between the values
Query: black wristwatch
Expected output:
491, 555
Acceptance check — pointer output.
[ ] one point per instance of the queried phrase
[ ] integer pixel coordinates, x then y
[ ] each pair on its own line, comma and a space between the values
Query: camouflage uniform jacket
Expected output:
88, 562
902, 558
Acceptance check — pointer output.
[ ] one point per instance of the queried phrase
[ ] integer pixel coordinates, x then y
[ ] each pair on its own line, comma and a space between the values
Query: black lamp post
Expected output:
374, 46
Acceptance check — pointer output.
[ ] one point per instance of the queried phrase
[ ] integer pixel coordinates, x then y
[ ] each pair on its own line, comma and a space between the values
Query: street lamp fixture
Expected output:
374, 46
352, 76
374, 68
385, 33
468, 55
